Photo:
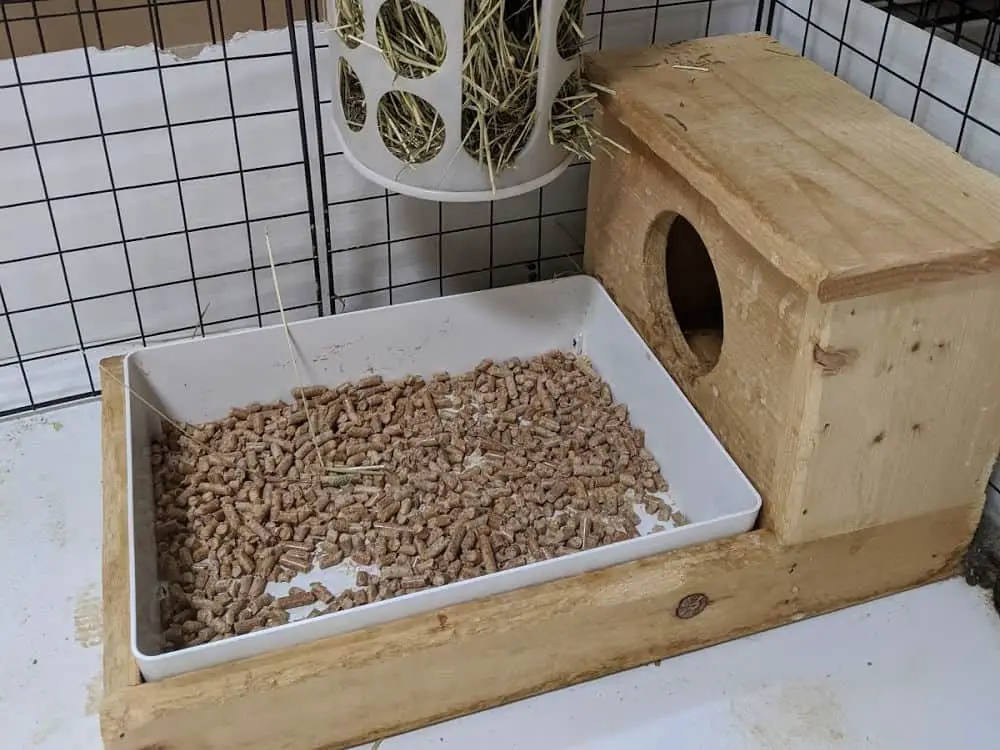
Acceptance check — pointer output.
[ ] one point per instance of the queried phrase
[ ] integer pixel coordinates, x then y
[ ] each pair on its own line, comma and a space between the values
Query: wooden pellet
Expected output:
486, 550
298, 599
321, 592
435, 549
330, 559
395, 571
259, 530
345, 601
296, 554
263, 600
207, 605
278, 617
413, 582
362, 558
294, 564
242, 627
257, 586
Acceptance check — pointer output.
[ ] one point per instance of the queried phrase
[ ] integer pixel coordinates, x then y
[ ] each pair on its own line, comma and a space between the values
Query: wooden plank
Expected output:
385, 680
836, 192
120, 669
751, 395
891, 395
904, 417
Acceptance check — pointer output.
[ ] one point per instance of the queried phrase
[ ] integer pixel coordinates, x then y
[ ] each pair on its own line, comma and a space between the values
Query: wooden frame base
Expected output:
362, 686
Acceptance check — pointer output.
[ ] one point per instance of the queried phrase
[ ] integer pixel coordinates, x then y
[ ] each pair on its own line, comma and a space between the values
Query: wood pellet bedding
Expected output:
429, 481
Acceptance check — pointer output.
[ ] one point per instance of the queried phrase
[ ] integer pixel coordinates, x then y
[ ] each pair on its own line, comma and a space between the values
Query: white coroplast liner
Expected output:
453, 175
201, 380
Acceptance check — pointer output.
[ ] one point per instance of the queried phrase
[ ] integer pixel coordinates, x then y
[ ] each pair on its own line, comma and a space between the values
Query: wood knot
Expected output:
834, 360
691, 605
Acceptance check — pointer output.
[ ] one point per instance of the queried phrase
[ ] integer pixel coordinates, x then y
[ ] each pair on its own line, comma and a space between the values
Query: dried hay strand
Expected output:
571, 120
571, 123
410, 38
350, 23
499, 80
410, 126
352, 97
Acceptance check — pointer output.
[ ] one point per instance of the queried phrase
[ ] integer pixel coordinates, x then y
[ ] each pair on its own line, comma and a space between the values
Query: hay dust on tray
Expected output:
500, 70
419, 482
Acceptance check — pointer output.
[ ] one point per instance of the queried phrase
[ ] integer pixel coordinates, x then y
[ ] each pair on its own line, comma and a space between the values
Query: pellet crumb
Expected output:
437, 480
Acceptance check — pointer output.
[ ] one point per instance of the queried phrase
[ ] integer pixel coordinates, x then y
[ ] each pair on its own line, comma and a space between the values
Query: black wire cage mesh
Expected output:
159, 158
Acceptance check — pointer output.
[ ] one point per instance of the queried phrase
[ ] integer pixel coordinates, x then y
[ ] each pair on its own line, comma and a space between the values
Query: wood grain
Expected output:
845, 413
749, 397
358, 687
841, 195
120, 669
904, 416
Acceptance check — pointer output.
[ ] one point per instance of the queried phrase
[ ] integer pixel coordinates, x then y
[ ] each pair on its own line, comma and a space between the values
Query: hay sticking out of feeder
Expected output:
350, 23
499, 80
411, 38
571, 125
411, 128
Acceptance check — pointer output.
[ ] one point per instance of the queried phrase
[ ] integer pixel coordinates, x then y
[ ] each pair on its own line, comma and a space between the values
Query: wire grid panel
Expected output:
971, 24
136, 187
914, 58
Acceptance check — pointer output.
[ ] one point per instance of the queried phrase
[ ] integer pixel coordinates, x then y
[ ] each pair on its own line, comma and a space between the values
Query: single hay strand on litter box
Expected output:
456, 476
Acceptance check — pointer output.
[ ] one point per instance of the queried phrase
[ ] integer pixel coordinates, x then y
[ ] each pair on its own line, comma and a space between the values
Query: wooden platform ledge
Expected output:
374, 683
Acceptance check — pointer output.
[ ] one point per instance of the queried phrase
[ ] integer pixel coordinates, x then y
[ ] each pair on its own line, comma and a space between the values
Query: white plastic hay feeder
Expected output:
451, 174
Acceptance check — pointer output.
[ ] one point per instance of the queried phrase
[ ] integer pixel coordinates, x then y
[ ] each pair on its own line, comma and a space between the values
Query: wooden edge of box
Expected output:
120, 669
349, 689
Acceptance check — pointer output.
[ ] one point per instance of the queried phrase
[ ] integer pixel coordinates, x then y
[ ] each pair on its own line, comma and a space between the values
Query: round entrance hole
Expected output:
684, 288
